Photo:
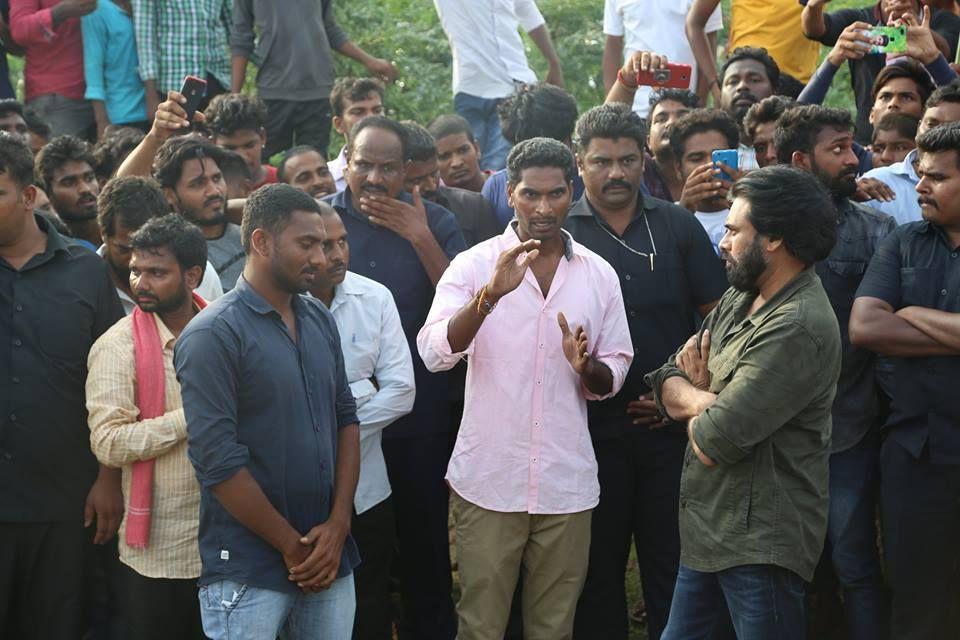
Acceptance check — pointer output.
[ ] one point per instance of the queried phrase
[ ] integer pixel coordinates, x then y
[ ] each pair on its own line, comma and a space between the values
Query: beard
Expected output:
744, 273
840, 186
287, 283
165, 305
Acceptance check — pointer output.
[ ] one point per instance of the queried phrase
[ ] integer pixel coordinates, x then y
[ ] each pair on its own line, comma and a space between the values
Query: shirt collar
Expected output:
583, 209
253, 299
166, 336
905, 168
802, 279
510, 234
924, 227
346, 288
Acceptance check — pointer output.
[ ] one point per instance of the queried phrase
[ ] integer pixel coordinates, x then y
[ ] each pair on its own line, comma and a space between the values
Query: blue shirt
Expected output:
383, 256
255, 399
110, 63
902, 179
918, 265
495, 190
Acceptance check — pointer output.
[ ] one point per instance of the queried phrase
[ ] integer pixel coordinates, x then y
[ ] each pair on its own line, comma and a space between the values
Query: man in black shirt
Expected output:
56, 299
908, 308
827, 27
820, 140
669, 273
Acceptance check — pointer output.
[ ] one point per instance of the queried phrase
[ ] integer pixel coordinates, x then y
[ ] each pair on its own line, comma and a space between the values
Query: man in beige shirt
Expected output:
160, 569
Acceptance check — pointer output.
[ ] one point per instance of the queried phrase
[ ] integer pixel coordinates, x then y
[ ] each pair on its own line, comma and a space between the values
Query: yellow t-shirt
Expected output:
775, 26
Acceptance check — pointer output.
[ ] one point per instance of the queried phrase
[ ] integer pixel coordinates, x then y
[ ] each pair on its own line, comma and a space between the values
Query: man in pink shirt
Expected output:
542, 322
49, 31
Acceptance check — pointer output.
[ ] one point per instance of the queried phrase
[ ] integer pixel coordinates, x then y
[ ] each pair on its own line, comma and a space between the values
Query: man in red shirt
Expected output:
49, 31
237, 124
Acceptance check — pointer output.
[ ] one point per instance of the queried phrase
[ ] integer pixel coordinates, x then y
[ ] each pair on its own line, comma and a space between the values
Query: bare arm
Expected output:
811, 19
682, 400
169, 118
874, 326
541, 38
612, 57
238, 72
704, 458
697, 18
942, 326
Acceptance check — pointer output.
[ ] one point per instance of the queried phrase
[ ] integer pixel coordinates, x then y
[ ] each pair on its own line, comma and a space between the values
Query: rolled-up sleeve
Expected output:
346, 407
208, 367
528, 15
145, 30
455, 289
29, 24
882, 279
613, 346
776, 376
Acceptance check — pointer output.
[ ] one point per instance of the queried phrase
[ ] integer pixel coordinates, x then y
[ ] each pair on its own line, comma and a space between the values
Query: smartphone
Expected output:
729, 157
675, 76
888, 39
193, 89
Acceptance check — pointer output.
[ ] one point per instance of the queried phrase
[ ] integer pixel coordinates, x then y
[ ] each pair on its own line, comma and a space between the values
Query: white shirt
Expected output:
488, 54
903, 179
336, 167
713, 224
374, 347
658, 26
210, 288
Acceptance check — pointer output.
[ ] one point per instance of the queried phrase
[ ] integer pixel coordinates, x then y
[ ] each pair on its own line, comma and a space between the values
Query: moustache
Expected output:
375, 188
617, 183
930, 202
213, 201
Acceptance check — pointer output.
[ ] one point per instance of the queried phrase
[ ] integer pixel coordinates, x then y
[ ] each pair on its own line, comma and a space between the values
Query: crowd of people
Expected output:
245, 400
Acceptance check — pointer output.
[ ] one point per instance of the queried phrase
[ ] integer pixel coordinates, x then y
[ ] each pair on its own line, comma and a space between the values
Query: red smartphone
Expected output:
193, 89
675, 76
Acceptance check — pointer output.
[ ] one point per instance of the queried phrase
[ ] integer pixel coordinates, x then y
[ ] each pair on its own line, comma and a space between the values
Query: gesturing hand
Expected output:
574, 345
170, 116
510, 268
693, 361
920, 43
406, 220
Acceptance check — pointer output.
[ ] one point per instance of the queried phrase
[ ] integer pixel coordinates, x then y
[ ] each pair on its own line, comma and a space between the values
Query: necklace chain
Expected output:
653, 245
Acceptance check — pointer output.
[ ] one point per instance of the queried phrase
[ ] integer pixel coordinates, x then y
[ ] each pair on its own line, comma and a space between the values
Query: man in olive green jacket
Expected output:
757, 387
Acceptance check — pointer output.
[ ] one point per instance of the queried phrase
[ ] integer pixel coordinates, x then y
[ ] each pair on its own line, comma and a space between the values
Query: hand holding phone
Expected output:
888, 39
193, 89
671, 76
728, 157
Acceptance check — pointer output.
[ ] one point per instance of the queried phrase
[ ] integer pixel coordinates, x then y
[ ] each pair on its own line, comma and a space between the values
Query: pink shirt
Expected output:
523, 443
54, 57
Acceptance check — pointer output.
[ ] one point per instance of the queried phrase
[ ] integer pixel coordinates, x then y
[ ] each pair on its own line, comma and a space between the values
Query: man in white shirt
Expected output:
489, 61
125, 205
352, 100
651, 25
380, 371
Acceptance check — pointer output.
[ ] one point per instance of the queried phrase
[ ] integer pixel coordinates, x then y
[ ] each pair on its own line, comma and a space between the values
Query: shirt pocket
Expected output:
721, 371
918, 287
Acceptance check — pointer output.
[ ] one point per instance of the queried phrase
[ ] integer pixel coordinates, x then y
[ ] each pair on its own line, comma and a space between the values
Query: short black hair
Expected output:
172, 231
176, 151
797, 129
16, 159
379, 122
946, 93
36, 124
9, 105
421, 146
789, 87
539, 152
113, 148
58, 152
905, 126
905, 68
129, 201
293, 152
537, 110
767, 110
684, 96
754, 53
233, 166
450, 124
940, 139
270, 208
790, 204
353, 90
229, 113
701, 121
610, 121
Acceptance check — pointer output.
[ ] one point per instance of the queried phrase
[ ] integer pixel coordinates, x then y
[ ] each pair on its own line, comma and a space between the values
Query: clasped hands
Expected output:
313, 562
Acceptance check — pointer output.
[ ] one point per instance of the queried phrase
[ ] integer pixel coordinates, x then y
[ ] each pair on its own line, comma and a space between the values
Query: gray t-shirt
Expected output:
227, 256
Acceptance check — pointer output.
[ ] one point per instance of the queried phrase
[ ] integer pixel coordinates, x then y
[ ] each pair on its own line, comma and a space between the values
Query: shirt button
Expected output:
534, 459
15, 379
539, 381
373, 263
943, 292
683, 503
626, 277
536, 424
541, 345
19, 276
19, 307
13, 417
633, 314
16, 342
7, 455
953, 255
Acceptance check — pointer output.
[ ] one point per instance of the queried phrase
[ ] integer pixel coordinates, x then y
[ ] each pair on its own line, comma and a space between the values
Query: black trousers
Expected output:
416, 467
920, 511
639, 502
160, 608
292, 123
41, 580
374, 531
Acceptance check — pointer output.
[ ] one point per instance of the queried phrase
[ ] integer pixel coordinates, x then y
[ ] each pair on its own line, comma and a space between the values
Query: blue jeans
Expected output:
235, 611
481, 113
765, 601
852, 537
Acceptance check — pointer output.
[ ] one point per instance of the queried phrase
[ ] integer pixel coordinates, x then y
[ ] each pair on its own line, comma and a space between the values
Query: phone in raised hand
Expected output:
193, 89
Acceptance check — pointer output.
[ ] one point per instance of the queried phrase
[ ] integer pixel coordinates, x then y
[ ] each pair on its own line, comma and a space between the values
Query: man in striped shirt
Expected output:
159, 595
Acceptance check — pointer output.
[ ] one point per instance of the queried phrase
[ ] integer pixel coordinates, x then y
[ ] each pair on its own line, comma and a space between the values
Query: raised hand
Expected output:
510, 269
405, 220
703, 184
920, 43
171, 117
575, 345
853, 44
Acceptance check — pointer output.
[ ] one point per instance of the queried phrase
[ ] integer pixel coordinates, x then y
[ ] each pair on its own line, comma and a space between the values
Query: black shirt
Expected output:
917, 265
51, 312
863, 71
662, 303
473, 213
860, 230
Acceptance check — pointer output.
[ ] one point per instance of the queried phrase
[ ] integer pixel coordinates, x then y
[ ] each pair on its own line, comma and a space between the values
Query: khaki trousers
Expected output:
492, 547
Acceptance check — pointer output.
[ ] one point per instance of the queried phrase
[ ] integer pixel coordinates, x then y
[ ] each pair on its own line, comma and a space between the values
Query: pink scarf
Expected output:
151, 398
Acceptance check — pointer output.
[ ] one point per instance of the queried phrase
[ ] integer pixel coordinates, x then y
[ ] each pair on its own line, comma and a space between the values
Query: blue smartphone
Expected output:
729, 157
